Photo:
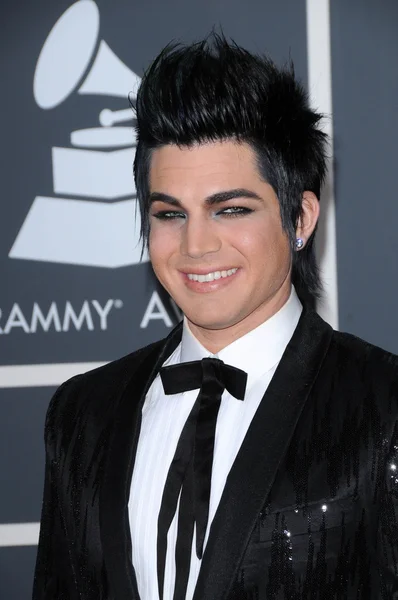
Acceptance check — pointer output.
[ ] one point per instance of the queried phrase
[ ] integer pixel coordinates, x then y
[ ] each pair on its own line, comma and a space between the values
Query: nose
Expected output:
199, 237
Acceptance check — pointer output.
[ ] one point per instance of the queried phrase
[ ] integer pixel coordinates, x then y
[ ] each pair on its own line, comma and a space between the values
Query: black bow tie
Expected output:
190, 470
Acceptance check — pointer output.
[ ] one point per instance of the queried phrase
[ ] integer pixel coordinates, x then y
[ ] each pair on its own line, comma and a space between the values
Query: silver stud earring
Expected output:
299, 243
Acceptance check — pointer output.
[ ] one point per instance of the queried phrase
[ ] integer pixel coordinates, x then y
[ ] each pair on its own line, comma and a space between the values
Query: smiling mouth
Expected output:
212, 276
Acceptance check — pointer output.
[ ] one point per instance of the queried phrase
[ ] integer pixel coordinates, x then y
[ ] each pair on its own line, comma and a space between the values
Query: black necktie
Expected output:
190, 470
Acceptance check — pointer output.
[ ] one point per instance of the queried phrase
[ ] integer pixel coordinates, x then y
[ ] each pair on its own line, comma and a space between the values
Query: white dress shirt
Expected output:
163, 417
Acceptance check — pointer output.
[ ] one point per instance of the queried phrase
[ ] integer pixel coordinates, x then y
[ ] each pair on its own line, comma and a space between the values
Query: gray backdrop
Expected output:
55, 311
365, 98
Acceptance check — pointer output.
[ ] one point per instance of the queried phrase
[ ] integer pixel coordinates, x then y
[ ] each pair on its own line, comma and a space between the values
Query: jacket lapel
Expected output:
252, 475
115, 492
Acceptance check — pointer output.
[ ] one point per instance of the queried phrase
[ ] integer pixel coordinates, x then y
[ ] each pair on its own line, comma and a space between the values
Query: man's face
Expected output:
216, 240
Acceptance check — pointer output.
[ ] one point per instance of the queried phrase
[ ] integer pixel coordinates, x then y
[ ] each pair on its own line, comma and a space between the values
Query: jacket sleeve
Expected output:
54, 578
387, 543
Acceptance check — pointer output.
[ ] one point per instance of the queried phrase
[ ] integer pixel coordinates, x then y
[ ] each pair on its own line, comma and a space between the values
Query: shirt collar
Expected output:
258, 350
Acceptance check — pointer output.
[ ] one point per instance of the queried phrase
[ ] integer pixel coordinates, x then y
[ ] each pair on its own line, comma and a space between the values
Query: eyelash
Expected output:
235, 211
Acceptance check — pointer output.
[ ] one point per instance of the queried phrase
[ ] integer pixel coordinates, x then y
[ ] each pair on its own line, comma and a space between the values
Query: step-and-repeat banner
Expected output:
77, 288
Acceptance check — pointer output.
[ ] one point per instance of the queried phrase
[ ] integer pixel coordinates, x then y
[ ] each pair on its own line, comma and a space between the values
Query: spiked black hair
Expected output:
215, 90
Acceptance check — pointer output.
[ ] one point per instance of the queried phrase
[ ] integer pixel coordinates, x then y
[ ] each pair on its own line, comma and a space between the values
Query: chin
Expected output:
212, 323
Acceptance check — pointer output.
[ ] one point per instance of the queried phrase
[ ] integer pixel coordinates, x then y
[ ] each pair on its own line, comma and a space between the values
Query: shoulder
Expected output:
347, 355
362, 354
95, 390
363, 375
117, 372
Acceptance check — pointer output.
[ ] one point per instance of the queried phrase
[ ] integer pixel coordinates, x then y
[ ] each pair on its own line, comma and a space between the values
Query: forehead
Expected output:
205, 167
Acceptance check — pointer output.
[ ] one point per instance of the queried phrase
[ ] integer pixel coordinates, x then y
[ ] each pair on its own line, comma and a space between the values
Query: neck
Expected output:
215, 340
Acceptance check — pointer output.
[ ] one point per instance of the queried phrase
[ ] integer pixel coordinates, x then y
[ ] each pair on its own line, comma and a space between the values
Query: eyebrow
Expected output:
217, 198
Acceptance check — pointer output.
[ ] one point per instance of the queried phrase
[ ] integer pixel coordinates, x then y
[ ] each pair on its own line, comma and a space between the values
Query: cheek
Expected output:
162, 244
265, 247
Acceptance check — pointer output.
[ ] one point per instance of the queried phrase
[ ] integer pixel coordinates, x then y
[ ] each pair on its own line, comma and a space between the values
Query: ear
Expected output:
309, 216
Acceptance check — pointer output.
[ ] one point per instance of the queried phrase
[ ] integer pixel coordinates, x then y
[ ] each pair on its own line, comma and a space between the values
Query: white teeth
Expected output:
211, 276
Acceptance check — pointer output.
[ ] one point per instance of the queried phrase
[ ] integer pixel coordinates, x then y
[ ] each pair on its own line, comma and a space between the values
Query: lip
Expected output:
208, 286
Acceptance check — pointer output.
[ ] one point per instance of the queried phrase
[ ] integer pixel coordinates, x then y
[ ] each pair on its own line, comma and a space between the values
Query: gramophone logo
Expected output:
93, 218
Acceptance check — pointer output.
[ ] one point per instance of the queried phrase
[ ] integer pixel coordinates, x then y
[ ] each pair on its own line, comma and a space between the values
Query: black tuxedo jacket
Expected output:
309, 509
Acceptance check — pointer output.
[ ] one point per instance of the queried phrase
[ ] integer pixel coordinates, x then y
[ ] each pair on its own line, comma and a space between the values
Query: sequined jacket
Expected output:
309, 509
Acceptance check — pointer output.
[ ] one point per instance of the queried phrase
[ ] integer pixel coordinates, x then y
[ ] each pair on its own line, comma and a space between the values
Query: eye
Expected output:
168, 215
235, 211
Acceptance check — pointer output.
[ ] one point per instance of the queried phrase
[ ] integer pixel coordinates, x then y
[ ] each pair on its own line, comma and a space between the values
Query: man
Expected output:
251, 454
